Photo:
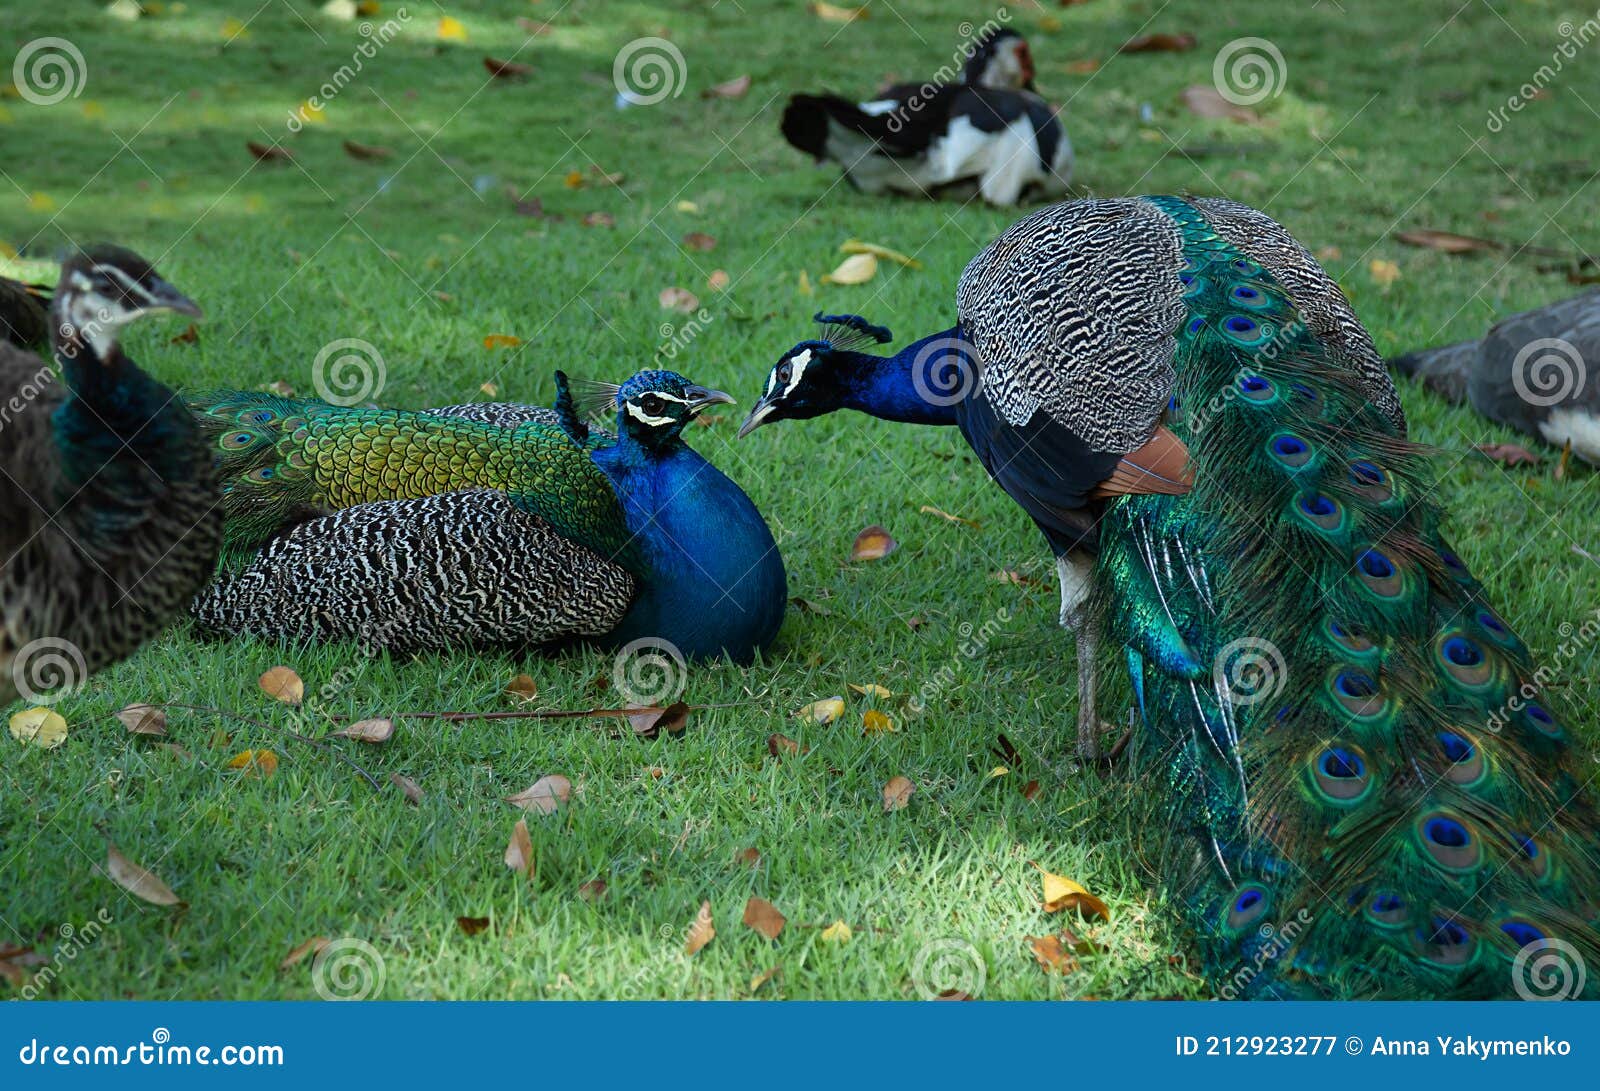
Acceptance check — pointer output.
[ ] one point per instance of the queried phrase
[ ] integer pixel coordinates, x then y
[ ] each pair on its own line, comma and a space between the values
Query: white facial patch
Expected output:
878, 107
645, 418
797, 370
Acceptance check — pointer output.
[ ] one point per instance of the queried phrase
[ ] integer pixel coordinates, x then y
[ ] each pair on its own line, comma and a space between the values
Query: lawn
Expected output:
1381, 125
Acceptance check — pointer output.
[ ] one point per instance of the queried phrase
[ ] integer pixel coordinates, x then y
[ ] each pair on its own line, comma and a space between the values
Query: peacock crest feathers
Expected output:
846, 332
1340, 717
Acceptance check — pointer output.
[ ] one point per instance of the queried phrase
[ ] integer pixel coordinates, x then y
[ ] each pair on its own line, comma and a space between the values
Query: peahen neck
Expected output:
117, 423
908, 387
711, 577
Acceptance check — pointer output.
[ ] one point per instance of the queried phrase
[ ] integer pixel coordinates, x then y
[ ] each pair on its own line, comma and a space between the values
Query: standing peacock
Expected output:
495, 525
111, 518
1370, 794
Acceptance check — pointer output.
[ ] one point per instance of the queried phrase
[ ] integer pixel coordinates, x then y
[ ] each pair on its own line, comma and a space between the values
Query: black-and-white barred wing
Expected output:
1323, 307
459, 569
1072, 311
502, 414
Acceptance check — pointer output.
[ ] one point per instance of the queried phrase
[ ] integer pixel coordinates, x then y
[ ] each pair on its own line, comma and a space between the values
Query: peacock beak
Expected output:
758, 417
700, 397
164, 297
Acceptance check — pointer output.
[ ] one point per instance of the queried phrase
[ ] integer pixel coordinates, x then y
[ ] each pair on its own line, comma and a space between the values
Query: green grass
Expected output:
1381, 126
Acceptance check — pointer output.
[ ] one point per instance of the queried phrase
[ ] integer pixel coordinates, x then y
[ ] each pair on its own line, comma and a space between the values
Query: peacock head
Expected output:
1001, 59
811, 378
653, 407
102, 289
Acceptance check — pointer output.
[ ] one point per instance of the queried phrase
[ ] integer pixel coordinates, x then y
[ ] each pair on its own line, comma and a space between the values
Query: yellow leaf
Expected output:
489, 390
368, 7
501, 341
999, 771
254, 763
310, 113
701, 931
451, 30
837, 932
1063, 893
126, 10
233, 28
822, 712
39, 726
40, 201
804, 286
857, 269
873, 544
833, 13
873, 721
283, 684
519, 851
687, 206
92, 110
871, 689
574, 179
1384, 272
856, 246
897, 793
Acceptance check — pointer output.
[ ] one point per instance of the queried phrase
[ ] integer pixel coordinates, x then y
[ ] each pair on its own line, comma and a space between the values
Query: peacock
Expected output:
1369, 790
487, 525
110, 497
1531, 372
24, 314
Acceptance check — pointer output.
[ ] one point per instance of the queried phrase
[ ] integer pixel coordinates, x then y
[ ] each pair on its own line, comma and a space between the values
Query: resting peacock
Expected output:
24, 314
495, 525
110, 501
1370, 793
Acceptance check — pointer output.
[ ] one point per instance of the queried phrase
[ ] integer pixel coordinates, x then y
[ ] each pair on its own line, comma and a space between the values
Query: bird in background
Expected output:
1531, 372
487, 525
988, 133
24, 314
1368, 791
110, 499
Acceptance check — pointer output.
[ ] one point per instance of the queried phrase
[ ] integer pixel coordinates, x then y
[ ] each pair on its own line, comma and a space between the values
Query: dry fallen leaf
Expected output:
897, 793
856, 269
312, 946
507, 70
870, 689
1013, 577
833, 13
545, 795
189, 336
369, 731
1383, 272
1063, 893
254, 763
872, 544
778, 745
803, 286
764, 976
873, 722
472, 925
269, 153
282, 684
519, 850
837, 932
650, 721
136, 880
598, 219
39, 726
1507, 454
523, 687
1447, 241
144, 720
501, 341
1158, 43
678, 299
367, 153
593, 890
1083, 67
929, 509
734, 88
749, 857
699, 240
701, 930
1030, 789
824, 711
764, 917
1203, 100
1052, 956
718, 280
411, 789
856, 246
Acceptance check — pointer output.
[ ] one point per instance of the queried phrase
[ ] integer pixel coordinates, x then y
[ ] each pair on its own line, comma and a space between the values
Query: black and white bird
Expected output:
1530, 373
987, 132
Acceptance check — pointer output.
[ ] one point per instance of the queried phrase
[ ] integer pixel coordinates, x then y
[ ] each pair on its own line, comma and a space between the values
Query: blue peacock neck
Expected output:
914, 386
711, 578
117, 422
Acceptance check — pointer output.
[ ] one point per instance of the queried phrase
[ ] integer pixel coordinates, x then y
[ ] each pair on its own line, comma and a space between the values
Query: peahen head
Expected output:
1001, 59
653, 407
102, 289
814, 376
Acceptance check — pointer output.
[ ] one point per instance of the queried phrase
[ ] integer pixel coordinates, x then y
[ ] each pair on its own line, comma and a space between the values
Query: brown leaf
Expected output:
1507, 454
545, 795
764, 977
1052, 956
412, 790
699, 240
674, 719
607, 178
283, 684
367, 153
718, 280
873, 544
1083, 67
929, 509
678, 299
144, 720
519, 850
953, 994
254, 763
189, 336
312, 946
701, 930
1030, 790
897, 794
764, 917
369, 731
501, 341
1063, 893
507, 70
1203, 100
533, 207
523, 687
593, 890
749, 857
472, 925
1014, 577
136, 880
1158, 43
1447, 242
734, 88
598, 219
269, 153
833, 13
806, 606
779, 745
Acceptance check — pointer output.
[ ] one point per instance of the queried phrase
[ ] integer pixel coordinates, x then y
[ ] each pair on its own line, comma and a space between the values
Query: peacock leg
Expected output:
1075, 570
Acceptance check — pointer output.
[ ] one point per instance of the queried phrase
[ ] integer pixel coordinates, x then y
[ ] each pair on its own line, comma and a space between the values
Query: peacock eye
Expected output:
652, 404
784, 371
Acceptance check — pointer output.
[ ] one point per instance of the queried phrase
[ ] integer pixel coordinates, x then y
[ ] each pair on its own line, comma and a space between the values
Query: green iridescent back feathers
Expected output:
1366, 800
284, 461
